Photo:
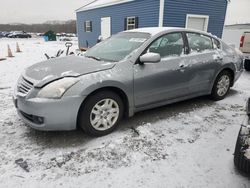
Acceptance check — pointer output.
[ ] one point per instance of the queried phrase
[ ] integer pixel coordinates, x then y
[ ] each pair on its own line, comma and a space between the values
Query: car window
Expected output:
199, 43
227, 48
216, 44
168, 45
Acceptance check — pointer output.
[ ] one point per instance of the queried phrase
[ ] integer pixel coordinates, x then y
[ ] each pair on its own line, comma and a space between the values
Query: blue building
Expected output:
107, 17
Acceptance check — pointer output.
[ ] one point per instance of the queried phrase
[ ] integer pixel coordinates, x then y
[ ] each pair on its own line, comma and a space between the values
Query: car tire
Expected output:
100, 114
240, 161
247, 65
223, 79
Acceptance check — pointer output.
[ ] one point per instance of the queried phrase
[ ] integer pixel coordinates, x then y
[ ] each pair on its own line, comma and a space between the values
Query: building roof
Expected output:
101, 3
156, 30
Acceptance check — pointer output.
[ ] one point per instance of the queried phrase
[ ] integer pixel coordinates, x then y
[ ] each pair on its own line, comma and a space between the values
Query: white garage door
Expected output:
197, 22
105, 27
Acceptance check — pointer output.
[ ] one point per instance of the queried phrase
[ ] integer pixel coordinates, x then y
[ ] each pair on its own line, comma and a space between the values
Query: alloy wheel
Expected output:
223, 85
104, 114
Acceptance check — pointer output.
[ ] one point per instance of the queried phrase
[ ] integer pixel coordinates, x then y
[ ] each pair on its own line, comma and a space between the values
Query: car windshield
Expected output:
117, 47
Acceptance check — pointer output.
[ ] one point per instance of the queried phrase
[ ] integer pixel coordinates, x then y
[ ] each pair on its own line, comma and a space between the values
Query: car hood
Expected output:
70, 66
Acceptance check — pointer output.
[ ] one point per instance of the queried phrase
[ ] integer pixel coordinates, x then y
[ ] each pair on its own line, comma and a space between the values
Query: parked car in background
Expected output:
124, 74
65, 39
245, 48
70, 35
1, 35
242, 148
19, 34
66, 35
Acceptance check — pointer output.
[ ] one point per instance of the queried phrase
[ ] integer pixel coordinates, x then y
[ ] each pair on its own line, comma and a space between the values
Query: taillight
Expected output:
242, 41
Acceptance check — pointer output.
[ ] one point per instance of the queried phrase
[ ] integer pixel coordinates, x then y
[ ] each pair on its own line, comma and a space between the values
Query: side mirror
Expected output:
150, 58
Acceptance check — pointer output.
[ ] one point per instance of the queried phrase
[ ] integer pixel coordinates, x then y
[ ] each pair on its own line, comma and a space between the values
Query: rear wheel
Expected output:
221, 85
100, 114
247, 65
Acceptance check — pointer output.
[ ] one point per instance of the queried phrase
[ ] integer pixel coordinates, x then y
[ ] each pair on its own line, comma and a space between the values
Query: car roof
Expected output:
157, 30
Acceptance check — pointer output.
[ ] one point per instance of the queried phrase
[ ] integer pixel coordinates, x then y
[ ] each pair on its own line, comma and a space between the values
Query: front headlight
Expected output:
56, 89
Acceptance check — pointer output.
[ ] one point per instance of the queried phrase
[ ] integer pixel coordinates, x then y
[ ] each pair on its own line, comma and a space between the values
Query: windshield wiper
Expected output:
93, 57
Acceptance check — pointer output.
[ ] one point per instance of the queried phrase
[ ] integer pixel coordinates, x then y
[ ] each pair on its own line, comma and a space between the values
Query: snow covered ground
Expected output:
187, 144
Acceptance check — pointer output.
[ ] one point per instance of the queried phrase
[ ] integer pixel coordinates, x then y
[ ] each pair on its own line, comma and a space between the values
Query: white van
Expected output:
245, 48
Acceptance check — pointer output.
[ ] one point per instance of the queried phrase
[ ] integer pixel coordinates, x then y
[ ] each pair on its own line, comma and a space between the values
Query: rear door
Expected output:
203, 61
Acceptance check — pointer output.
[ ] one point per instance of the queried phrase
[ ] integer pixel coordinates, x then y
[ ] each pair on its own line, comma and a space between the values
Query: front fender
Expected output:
88, 89
92, 82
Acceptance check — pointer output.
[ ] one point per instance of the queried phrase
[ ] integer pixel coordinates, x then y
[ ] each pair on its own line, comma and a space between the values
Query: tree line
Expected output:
58, 27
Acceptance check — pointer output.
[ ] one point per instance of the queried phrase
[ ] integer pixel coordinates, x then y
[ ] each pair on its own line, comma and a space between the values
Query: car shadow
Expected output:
167, 111
64, 139
57, 139
232, 92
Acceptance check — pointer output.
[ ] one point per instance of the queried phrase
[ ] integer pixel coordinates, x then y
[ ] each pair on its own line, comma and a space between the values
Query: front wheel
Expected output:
100, 114
221, 86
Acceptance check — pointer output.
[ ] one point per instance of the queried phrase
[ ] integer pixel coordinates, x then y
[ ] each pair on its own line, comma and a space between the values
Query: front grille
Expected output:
24, 86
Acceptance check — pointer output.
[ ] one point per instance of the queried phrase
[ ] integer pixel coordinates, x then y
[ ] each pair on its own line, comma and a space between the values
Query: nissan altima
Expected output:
129, 72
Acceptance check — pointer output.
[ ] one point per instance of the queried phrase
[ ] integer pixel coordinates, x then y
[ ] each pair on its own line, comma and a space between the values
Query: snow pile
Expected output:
247, 153
245, 136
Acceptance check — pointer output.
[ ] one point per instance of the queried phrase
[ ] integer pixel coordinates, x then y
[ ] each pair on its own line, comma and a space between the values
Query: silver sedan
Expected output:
129, 72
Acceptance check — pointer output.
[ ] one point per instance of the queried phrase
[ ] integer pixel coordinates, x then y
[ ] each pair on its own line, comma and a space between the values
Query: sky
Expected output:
39, 11
238, 12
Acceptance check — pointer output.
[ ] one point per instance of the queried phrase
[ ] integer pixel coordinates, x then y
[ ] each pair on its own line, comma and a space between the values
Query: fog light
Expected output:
38, 120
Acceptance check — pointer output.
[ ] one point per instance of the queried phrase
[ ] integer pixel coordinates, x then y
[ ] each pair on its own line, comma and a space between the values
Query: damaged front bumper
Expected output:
48, 114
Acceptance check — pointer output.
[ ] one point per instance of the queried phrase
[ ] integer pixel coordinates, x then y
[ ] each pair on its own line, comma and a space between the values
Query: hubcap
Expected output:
104, 114
223, 85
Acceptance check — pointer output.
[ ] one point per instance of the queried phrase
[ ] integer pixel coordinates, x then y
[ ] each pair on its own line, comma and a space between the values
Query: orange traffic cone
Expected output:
17, 48
9, 52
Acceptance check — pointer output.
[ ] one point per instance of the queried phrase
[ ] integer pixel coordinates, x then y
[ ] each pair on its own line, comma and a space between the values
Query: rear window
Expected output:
199, 43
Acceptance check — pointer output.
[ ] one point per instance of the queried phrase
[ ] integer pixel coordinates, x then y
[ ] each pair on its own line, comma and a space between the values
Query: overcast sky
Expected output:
38, 11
